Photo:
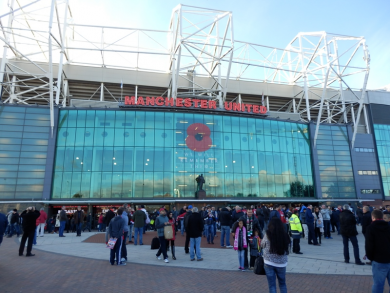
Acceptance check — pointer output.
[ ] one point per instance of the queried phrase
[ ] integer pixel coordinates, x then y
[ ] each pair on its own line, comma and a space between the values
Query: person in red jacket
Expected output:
41, 223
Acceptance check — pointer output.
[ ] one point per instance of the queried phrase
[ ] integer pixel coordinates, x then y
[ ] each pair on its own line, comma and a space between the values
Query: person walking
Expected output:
162, 221
88, 223
63, 220
139, 224
13, 221
125, 217
275, 250
41, 223
29, 216
78, 220
377, 249
348, 232
326, 213
296, 231
310, 226
195, 228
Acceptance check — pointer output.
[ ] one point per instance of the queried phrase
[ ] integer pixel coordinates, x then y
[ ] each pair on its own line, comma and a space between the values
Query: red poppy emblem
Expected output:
198, 137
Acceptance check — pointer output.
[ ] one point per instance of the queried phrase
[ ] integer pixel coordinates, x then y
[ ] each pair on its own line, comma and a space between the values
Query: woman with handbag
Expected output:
318, 224
275, 250
162, 222
172, 222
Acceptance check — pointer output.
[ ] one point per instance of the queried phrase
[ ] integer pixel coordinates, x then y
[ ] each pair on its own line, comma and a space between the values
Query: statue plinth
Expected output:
200, 194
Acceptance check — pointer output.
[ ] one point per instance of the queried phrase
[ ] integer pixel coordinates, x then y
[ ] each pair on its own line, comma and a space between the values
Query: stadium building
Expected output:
97, 115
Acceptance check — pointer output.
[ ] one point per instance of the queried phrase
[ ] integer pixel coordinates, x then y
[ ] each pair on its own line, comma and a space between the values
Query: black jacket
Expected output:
29, 220
348, 223
15, 218
266, 213
378, 241
359, 213
186, 217
237, 216
225, 217
195, 225
366, 221
109, 215
255, 224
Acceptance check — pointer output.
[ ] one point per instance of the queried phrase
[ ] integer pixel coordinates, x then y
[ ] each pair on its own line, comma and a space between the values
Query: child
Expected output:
240, 242
255, 247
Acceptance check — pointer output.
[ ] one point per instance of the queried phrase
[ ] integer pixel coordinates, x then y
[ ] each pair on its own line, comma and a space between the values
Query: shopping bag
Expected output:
111, 243
168, 232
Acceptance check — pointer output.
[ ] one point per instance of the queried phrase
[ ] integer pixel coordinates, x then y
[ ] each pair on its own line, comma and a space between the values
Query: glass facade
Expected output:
334, 160
382, 137
24, 134
145, 154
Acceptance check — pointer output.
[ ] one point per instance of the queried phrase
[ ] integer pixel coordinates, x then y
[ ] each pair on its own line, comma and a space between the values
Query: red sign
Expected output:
193, 103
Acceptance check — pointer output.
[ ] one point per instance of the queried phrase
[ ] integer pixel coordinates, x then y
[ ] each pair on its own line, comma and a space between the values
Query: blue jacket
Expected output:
309, 217
3, 223
117, 224
126, 218
274, 213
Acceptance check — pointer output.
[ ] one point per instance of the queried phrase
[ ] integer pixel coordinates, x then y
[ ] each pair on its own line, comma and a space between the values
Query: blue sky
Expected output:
271, 22
275, 22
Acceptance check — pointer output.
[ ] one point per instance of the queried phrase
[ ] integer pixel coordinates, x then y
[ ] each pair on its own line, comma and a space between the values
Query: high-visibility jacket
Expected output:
295, 224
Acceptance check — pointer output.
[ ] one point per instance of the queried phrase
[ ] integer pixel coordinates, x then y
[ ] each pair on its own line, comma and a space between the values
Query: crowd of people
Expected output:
268, 231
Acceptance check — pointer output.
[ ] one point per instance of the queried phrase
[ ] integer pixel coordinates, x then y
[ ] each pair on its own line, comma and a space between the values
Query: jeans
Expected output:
124, 249
305, 231
136, 231
182, 227
78, 228
326, 228
163, 247
355, 245
312, 239
241, 256
62, 228
116, 252
130, 232
266, 224
209, 232
273, 272
42, 228
215, 228
195, 243
187, 243
380, 272
225, 233
35, 238
14, 229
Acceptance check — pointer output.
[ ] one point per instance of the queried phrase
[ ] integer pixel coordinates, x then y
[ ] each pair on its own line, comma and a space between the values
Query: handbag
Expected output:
319, 223
259, 265
168, 232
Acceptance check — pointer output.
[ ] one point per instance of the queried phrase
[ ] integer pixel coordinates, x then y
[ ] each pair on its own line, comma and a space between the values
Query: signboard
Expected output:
193, 104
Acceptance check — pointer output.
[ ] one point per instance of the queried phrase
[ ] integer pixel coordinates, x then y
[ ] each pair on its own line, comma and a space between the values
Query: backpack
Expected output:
155, 243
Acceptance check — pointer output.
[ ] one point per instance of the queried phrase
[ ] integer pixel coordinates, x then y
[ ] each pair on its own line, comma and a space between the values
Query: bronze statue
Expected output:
200, 180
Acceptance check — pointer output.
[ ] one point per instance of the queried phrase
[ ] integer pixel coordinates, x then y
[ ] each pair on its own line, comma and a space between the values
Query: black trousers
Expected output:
252, 261
124, 249
296, 246
187, 243
246, 258
163, 247
27, 235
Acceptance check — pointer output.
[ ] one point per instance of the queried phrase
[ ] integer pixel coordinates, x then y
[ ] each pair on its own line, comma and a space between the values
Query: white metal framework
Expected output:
199, 52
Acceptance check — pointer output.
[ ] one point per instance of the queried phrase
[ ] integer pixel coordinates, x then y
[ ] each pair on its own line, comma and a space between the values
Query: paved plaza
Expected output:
63, 264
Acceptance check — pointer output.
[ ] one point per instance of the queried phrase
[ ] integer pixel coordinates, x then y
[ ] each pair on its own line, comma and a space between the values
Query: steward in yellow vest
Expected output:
296, 230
